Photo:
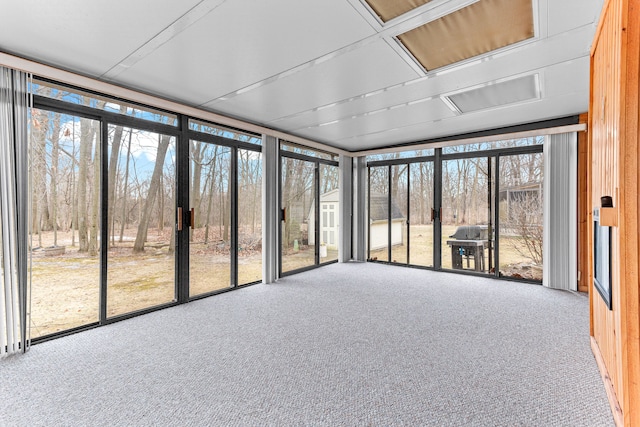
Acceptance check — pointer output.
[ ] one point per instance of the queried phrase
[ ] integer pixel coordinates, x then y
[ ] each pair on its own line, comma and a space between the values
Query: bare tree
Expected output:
525, 215
154, 186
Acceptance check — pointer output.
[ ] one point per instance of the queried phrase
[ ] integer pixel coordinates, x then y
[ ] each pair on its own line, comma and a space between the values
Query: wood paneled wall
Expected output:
613, 159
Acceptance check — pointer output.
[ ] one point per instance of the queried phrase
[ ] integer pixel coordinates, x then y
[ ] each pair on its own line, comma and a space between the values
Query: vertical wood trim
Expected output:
630, 202
583, 210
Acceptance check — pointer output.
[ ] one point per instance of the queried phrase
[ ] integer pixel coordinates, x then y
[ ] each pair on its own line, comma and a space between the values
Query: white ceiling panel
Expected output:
552, 107
88, 37
564, 15
320, 69
569, 77
243, 42
400, 116
366, 69
527, 59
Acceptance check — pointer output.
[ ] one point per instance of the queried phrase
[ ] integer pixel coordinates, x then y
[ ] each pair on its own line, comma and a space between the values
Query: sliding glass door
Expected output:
210, 218
520, 216
421, 213
310, 211
249, 216
380, 227
141, 220
64, 168
464, 210
132, 209
298, 197
224, 218
467, 214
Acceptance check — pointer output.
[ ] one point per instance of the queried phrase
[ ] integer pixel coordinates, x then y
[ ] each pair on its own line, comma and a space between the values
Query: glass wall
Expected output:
399, 213
310, 203
520, 216
298, 202
65, 215
141, 219
379, 223
210, 228
249, 216
451, 211
467, 214
329, 213
420, 214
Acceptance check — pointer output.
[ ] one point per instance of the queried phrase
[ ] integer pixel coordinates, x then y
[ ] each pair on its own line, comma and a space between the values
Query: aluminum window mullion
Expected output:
112, 118
234, 216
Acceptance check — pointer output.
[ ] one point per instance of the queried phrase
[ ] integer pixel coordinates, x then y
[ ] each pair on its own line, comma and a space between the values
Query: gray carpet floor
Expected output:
346, 344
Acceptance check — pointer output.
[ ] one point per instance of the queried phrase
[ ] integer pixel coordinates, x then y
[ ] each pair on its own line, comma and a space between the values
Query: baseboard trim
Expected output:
616, 410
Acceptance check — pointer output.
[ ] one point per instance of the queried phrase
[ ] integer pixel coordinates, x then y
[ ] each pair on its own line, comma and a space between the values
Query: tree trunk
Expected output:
125, 189
94, 225
116, 142
143, 227
55, 163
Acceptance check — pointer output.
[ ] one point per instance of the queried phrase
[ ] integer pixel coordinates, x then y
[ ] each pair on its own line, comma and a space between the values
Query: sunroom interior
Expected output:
182, 151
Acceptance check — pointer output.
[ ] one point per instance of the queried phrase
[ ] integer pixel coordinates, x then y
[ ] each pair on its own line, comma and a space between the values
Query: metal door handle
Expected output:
179, 219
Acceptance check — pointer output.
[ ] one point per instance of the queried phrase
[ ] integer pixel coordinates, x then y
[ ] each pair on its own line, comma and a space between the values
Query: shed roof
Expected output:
379, 208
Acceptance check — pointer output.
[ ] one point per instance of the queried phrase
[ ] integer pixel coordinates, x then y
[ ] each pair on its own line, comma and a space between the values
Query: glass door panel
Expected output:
249, 216
141, 220
210, 233
420, 222
467, 214
298, 196
379, 213
64, 167
520, 214
399, 213
329, 202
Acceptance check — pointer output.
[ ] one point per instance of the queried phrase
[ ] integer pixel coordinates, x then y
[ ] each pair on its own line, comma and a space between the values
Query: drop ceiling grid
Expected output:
367, 69
529, 58
87, 37
232, 48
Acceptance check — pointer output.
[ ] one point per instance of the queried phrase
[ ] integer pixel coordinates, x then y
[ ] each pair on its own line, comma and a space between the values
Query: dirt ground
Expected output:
66, 288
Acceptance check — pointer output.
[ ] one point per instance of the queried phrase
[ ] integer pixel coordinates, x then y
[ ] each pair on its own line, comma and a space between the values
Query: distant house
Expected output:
520, 203
379, 221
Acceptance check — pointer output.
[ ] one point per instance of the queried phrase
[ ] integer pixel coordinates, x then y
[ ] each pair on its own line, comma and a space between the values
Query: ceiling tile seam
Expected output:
291, 71
369, 113
349, 100
400, 85
444, 119
406, 56
189, 18
453, 68
367, 14
401, 27
539, 75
